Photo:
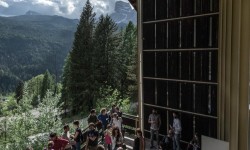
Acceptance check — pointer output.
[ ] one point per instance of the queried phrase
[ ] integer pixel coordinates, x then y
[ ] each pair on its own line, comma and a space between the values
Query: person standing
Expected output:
92, 118
92, 138
117, 121
118, 111
155, 123
194, 143
139, 143
108, 140
117, 139
66, 136
176, 128
104, 118
77, 135
113, 109
59, 143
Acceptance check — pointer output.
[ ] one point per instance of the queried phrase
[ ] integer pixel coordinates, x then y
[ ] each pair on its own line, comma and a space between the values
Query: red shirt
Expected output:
60, 144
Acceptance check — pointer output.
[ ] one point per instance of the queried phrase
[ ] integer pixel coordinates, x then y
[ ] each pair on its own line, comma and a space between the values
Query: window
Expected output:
180, 63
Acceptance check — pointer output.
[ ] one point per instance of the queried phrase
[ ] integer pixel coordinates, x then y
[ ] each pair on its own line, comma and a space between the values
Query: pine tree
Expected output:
19, 91
81, 60
106, 56
128, 62
47, 84
65, 99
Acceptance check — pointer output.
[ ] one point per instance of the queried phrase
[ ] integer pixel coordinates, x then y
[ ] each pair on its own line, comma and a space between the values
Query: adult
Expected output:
194, 143
176, 128
104, 118
139, 142
155, 123
77, 135
167, 141
92, 138
117, 121
119, 112
117, 139
66, 136
59, 143
113, 109
92, 118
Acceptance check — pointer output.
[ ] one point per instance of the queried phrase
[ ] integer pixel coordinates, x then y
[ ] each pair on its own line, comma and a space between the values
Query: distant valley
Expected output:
32, 43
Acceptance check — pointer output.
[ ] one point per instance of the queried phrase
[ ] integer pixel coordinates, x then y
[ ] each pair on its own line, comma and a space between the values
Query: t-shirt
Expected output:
177, 126
104, 119
156, 119
60, 143
92, 119
93, 133
117, 123
66, 136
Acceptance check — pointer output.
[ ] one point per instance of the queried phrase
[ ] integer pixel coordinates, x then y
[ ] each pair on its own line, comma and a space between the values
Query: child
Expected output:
108, 140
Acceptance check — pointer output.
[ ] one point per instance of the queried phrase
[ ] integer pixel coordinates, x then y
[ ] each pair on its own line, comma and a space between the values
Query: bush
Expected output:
109, 96
25, 126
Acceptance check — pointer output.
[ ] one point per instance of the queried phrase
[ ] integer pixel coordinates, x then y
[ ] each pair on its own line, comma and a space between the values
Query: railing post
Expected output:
136, 123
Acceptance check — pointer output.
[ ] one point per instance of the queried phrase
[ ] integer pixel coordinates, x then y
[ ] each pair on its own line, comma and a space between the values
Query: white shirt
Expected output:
118, 123
177, 126
155, 118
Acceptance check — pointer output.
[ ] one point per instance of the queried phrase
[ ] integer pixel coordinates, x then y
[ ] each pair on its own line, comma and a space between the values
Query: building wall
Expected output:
194, 60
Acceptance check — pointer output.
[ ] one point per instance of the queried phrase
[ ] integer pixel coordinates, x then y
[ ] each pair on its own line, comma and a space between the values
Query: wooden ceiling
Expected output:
133, 3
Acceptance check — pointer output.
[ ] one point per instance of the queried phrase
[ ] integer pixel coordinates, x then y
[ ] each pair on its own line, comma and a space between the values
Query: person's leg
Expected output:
109, 147
174, 142
152, 137
78, 145
178, 147
157, 137
102, 133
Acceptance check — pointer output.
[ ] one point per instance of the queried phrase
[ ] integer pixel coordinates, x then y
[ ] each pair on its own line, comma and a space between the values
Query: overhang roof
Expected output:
133, 3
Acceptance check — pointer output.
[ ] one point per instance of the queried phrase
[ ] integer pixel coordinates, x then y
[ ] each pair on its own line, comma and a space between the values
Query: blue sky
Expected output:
66, 8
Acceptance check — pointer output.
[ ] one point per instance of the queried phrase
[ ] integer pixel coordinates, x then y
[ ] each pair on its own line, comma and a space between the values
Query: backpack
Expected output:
81, 137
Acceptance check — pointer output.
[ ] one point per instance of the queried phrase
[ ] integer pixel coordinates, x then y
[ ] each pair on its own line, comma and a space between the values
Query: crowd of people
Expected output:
111, 135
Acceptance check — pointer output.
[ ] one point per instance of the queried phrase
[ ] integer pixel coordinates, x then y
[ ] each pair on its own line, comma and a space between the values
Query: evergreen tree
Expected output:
81, 61
106, 54
128, 62
65, 99
19, 91
47, 84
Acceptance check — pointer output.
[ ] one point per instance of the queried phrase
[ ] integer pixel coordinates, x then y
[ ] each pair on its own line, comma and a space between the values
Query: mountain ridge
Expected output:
32, 43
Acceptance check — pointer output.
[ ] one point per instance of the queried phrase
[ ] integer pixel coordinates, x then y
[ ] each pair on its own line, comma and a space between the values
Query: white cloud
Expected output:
43, 2
66, 8
4, 4
19, 0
